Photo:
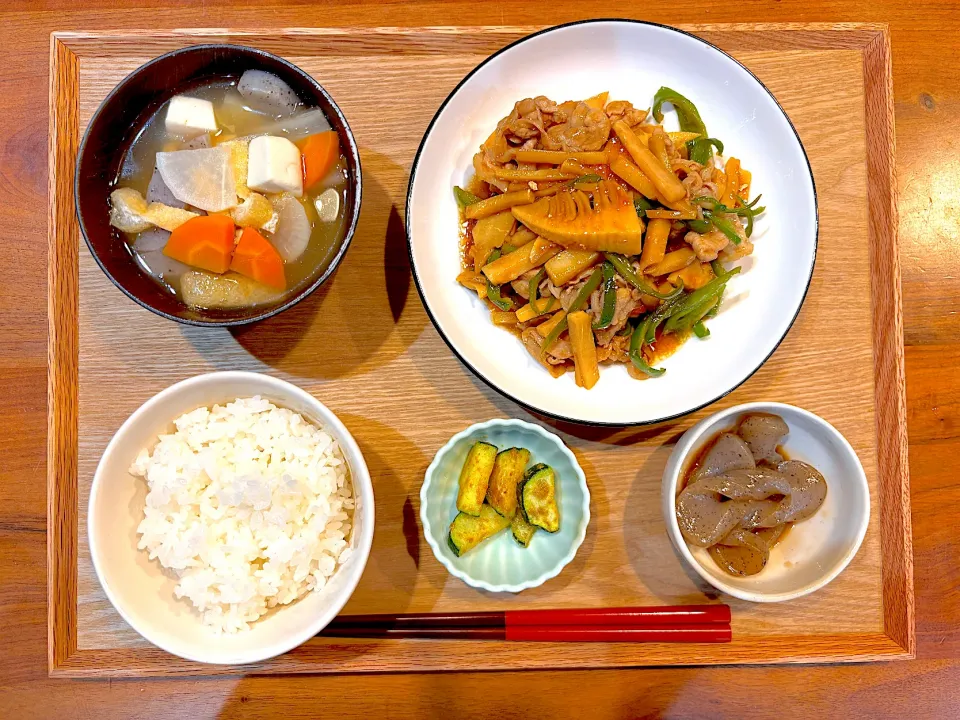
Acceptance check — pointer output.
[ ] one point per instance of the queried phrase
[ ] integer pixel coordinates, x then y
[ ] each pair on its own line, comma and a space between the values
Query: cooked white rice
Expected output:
249, 505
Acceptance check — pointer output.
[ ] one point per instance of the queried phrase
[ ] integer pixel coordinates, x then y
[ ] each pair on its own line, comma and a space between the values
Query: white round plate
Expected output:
631, 60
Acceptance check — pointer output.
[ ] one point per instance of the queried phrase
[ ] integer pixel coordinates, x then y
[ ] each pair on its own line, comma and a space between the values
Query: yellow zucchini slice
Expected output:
507, 473
537, 496
474, 477
467, 531
522, 530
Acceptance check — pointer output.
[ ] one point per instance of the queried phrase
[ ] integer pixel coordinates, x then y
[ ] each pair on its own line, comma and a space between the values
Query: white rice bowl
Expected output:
249, 505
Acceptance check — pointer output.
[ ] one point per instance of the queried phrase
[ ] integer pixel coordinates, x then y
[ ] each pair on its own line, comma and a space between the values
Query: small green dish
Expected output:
500, 564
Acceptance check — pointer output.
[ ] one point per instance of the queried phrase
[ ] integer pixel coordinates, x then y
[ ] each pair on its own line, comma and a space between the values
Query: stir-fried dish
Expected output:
743, 495
232, 195
600, 237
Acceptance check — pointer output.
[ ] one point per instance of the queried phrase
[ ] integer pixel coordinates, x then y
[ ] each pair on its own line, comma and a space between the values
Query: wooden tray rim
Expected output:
898, 639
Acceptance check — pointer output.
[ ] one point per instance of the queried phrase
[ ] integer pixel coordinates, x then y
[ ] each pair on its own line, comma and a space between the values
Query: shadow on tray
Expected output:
362, 316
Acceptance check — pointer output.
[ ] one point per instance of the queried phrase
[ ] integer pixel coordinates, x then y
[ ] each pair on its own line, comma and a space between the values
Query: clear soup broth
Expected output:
316, 229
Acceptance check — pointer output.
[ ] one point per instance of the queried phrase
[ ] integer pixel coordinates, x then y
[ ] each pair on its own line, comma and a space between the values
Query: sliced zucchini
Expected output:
522, 530
474, 477
467, 531
537, 495
507, 473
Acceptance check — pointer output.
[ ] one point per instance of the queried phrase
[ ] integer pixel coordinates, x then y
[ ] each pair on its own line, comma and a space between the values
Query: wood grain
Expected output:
62, 357
127, 354
927, 103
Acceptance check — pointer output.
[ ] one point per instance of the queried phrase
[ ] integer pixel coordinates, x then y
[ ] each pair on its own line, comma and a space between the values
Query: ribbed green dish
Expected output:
501, 564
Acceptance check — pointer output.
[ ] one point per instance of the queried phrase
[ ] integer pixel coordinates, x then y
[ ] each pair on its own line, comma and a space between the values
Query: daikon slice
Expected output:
266, 92
159, 265
299, 126
293, 228
328, 205
153, 239
157, 191
202, 178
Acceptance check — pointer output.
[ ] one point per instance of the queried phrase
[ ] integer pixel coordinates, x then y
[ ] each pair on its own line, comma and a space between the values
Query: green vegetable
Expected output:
623, 267
493, 291
475, 476
700, 226
641, 205
711, 207
700, 330
726, 227
533, 290
522, 530
609, 297
507, 473
467, 531
645, 332
687, 319
689, 116
712, 288
537, 497
718, 268
463, 197
701, 149
507, 249
593, 282
588, 178
640, 364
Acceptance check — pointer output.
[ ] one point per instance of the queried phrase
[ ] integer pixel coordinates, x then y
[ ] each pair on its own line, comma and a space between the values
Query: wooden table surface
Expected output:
927, 93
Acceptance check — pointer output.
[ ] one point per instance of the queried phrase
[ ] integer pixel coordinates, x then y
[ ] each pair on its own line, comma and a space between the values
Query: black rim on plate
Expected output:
350, 229
484, 378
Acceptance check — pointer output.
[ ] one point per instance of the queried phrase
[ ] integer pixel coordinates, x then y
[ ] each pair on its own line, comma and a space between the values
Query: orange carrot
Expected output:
320, 154
256, 258
205, 242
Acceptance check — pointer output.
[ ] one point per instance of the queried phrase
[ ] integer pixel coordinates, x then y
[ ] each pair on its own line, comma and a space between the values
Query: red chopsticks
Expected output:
684, 624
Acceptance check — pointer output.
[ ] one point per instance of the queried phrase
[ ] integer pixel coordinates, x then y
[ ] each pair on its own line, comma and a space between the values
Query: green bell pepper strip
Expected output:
593, 282
685, 320
718, 268
493, 291
623, 267
701, 330
712, 288
700, 226
533, 290
726, 227
463, 197
609, 297
588, 178
648, 329
641, 205
640, 364
507, 248
689, 116
701, 149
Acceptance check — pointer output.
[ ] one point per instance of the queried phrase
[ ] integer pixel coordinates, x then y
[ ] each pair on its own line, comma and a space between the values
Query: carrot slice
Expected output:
256, 258
320, 153
204, 242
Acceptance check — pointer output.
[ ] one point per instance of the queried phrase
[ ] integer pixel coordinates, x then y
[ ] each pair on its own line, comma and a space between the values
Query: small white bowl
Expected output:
500, 564
816, 550
142, 592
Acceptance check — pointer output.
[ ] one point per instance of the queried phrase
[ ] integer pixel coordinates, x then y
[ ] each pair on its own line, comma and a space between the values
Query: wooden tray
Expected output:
364, 345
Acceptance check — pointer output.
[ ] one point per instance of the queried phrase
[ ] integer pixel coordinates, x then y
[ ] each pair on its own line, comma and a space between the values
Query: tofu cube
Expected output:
189, 117
274, 166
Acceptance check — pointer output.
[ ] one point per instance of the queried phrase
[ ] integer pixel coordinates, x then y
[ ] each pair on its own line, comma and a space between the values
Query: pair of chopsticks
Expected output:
673, 624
